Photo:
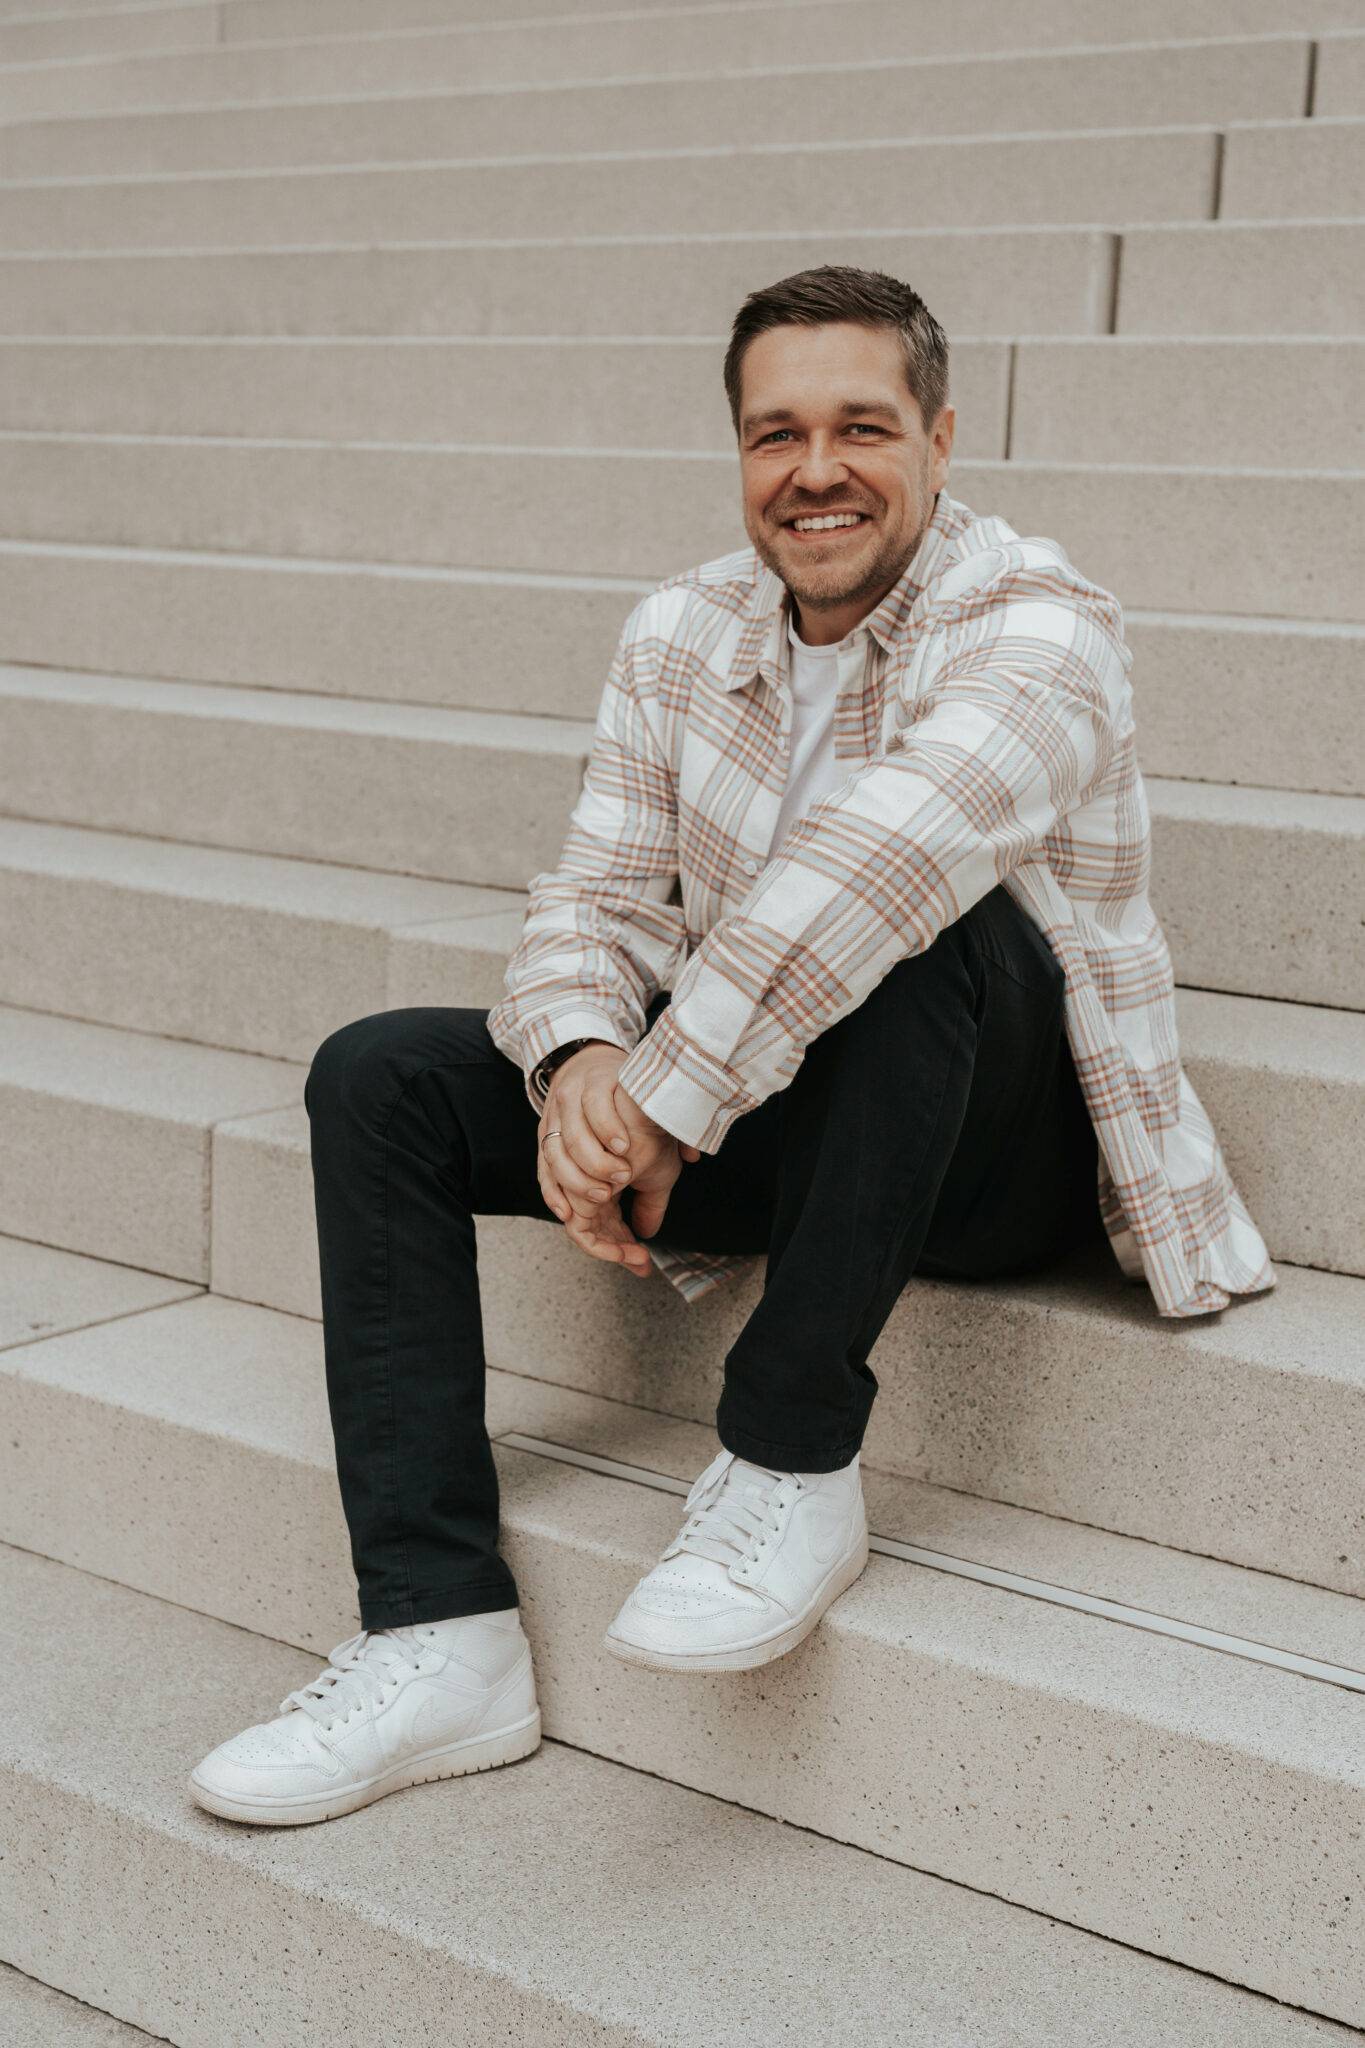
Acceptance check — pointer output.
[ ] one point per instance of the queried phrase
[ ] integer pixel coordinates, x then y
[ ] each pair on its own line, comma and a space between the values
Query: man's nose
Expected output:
820, 466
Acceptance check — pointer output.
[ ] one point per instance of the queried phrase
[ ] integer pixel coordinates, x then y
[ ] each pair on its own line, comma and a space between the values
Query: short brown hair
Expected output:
838, 291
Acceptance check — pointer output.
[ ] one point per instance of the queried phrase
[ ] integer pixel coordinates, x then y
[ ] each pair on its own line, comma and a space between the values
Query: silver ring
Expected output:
548, 1134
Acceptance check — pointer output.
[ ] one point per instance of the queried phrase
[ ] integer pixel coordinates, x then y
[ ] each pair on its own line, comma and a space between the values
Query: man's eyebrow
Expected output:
851, 405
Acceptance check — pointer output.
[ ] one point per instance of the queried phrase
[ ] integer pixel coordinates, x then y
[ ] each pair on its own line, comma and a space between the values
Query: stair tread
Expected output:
221, 1369
482, 1883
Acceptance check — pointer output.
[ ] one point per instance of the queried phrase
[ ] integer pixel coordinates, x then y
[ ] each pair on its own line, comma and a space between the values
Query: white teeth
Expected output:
821, 525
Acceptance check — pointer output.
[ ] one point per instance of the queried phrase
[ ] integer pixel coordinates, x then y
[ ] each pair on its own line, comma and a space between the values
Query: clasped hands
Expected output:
593, 1143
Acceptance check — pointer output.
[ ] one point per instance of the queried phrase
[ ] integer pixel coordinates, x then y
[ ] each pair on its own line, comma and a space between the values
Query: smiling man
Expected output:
847, 964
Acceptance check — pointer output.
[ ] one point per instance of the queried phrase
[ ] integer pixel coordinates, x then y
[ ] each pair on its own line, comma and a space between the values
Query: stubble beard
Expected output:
827, 586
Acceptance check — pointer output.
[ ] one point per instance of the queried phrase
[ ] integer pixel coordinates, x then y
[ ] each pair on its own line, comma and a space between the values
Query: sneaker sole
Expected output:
746, 1656
454, 1760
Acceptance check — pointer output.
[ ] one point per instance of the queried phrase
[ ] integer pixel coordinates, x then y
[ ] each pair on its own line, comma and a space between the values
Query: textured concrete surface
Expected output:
614, 1923
1221, 699
1197, 399
980, 281
107, 1136
567, 394
226, 949
639, 41
1310, 170
1142, 530
1168, 1740
412, 789
1296, 277
1119, 176
1130, 87
33, 2016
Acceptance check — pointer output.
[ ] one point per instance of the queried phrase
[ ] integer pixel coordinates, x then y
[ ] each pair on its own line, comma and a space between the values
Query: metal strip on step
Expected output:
993, 1575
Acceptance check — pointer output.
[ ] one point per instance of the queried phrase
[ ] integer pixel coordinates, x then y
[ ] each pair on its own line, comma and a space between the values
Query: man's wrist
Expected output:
560, 1056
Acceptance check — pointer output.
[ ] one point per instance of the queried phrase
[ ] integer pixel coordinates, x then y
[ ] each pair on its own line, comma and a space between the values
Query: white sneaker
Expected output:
759, 1558
394, 1707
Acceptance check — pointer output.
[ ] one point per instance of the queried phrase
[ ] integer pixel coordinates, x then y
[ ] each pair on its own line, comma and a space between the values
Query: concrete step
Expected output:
30, 34
235, 950
1126, 1724
1011, 1391
525, 1896
973, 23
1254, 700
1223, 541
455, 796
1339, 75
108, 1136
420, 49
1083, 179
1280, 170
583, 393
1261, 1068
33, 2016
212, 774
1132, 86
978, 281
1195, 401
42, 31
1299, 868
1286, 278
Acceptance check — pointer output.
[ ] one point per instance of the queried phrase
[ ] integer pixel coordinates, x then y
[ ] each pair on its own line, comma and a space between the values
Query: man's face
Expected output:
827, 424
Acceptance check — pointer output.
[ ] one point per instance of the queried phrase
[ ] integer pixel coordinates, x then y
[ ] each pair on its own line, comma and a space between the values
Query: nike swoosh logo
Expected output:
443, 1715
825, 1538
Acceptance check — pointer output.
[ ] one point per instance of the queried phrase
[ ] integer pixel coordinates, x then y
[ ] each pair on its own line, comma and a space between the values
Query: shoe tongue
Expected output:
749, 1472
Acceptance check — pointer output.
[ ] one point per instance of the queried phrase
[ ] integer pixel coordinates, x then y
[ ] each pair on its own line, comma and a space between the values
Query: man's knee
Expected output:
357, 1063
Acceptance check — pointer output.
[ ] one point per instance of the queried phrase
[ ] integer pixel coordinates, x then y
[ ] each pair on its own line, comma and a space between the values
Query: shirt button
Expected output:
750, 867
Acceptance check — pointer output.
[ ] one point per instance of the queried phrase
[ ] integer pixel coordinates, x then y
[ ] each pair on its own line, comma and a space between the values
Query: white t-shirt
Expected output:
816, 676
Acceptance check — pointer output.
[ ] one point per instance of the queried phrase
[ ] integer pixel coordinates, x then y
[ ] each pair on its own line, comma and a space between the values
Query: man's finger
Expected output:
610, 1237
647, 1211
588, 1168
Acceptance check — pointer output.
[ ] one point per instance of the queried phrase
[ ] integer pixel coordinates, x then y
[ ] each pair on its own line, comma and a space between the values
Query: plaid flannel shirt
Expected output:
989, 738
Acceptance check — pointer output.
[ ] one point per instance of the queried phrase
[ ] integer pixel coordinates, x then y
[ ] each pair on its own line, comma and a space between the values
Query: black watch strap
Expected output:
545, 1067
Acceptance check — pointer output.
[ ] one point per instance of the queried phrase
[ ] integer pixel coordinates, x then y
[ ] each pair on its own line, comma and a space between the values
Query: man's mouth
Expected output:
824, 525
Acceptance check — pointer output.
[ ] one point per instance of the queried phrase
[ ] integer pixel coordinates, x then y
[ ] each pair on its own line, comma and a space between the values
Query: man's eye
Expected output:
863, 426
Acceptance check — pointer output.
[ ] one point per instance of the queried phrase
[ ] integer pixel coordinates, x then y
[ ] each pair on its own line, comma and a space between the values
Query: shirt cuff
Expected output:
683, 1089
547, 1034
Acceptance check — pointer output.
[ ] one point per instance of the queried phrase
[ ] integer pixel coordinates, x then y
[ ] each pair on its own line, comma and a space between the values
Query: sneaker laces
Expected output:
728, 1523
357, 1670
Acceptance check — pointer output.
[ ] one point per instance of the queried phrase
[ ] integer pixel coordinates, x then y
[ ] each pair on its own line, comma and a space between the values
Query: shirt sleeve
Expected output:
1016, 725
602, 929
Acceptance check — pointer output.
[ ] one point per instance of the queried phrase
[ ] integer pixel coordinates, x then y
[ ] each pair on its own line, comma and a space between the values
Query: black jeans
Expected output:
937, 1128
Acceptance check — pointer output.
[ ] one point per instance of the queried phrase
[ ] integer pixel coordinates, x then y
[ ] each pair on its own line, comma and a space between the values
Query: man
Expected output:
873, 779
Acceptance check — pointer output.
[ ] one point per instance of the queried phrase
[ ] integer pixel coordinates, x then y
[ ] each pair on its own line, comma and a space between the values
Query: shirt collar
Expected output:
761, 646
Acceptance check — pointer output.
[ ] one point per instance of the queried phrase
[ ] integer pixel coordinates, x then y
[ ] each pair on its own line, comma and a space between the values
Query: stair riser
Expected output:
926, 1772
447, 809
147, 1954
1131, 88
1305, 278
587, 395
1017, 182
97, 32
628, 45
1205, 541
1184, 403
1268, 701
273, 979
1025, 1406
1029, 281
